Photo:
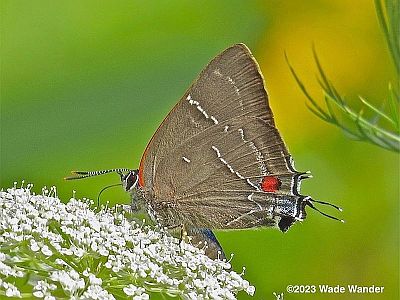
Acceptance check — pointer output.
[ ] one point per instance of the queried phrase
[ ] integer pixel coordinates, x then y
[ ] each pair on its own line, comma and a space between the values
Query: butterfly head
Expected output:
129, 180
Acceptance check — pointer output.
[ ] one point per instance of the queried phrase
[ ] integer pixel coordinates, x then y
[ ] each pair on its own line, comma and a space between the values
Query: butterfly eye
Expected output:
130, 180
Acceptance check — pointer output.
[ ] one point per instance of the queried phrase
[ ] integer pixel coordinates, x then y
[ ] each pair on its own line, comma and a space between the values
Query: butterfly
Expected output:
217, 161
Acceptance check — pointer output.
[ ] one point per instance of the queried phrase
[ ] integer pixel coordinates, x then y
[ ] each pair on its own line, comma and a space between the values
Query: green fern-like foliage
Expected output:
377, 125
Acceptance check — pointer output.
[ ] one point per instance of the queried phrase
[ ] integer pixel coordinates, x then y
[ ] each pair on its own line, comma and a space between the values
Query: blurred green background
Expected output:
84, 84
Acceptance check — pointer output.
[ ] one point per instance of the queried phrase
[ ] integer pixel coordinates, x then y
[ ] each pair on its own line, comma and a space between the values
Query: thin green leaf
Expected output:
394, 108
324, 80
376, 110
390, 27
304, 90
314, 111
330, 109
361, 132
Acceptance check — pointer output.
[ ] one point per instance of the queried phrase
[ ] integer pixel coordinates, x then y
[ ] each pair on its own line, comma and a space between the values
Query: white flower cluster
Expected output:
52, 250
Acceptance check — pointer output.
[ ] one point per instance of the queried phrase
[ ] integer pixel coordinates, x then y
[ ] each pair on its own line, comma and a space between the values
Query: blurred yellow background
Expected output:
84, 84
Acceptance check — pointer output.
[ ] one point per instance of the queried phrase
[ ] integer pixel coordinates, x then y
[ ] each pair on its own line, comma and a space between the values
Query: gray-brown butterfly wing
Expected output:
206, 163
230, 85
217, 176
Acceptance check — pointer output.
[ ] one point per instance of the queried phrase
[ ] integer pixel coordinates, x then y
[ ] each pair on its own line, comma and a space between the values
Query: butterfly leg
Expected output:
183, 234
179, 231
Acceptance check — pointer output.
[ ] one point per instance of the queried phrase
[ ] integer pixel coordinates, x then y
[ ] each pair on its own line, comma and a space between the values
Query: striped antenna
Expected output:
309, 203
86, 174
326, 203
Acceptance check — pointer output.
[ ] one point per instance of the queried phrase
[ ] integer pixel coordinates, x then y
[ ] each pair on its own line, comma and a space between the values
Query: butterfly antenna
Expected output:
309, 203
86, 174
326, 203
107, 187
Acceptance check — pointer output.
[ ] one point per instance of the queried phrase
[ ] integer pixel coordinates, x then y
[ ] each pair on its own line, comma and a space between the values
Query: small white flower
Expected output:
250, 290
130, 290
59, 261
38, 294
74, 275
94, 246
34, 246
103, 251
94, 280
11, 290
46, 251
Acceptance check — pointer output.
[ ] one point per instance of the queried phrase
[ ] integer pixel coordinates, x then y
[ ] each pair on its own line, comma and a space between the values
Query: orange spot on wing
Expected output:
141, 180
141, 165
270, 184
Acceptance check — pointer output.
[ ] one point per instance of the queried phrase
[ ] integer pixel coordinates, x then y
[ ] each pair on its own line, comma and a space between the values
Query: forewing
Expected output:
230, 86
